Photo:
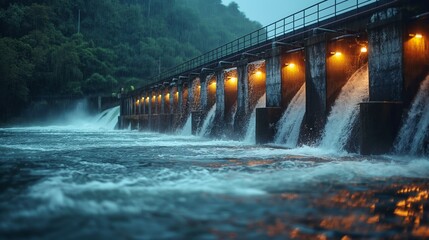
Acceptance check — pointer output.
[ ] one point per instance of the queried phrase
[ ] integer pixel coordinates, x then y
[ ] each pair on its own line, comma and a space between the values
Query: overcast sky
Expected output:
269, 11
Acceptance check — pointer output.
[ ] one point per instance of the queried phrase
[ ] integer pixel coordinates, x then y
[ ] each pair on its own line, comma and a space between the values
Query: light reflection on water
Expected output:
88, 183
394, 211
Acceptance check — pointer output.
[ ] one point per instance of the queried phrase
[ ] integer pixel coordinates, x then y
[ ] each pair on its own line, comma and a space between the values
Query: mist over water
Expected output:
95, 183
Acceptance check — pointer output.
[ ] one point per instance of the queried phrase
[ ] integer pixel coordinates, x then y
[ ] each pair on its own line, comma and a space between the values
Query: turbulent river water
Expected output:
74, 182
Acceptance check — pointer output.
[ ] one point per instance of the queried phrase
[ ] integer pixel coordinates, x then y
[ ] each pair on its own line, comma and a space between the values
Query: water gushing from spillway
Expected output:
290, 124
187, 128
234, 113
413, 137
208, 121
251, 126
345, 111
108, 118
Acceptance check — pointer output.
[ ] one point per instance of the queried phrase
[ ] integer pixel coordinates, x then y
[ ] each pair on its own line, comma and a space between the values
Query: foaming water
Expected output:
415, 131
187, 128
290, 124
250, 136
108, 118
208, 122
86, 183
343, 115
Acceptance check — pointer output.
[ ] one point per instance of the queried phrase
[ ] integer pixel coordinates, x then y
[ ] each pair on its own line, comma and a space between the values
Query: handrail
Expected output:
311, 15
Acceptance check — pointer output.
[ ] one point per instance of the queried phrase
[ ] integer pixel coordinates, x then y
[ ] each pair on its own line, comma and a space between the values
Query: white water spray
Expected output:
208, 121
415, 131
345, 111
108, 118
80, 117
234, 112
290, 124
251, 127
187, 129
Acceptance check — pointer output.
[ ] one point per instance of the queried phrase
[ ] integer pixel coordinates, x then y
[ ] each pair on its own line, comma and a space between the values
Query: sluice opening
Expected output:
257, 97
293, 100
344, 114
207, 123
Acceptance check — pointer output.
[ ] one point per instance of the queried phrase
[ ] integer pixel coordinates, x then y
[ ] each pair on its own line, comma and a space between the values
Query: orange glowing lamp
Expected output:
337, 54
233, 79
258, 73
363, 50
416, 35
291, 65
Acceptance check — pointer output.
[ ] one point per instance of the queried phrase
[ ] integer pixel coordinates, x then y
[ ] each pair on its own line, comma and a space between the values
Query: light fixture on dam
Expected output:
416, 35
213, 84
258, 73
363, 50
232, 79
337, 54
290, 65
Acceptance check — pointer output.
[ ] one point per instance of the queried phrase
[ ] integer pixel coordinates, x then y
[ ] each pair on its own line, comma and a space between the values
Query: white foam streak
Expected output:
290, 124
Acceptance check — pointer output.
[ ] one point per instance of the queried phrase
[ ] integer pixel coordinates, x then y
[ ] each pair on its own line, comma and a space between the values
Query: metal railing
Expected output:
312, 15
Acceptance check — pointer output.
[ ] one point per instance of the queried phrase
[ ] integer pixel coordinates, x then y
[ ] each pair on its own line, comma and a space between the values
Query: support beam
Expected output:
273, 77
242, 98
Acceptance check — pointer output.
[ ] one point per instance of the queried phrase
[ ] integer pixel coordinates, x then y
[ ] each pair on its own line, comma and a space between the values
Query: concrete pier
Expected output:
316, 88
380, 117
242, 98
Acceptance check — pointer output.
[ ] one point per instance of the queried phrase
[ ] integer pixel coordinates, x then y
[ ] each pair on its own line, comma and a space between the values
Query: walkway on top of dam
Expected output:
289, 31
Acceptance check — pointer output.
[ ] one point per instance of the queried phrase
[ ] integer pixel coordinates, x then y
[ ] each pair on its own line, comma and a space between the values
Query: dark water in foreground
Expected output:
62, 183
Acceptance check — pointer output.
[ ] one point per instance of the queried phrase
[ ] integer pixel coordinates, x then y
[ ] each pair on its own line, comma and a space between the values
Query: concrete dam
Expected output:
347, 75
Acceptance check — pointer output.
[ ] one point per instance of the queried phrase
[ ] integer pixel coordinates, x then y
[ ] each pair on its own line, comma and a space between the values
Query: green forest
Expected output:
52, 48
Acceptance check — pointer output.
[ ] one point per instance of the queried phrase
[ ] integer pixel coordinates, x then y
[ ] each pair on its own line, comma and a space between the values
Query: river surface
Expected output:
78, 183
